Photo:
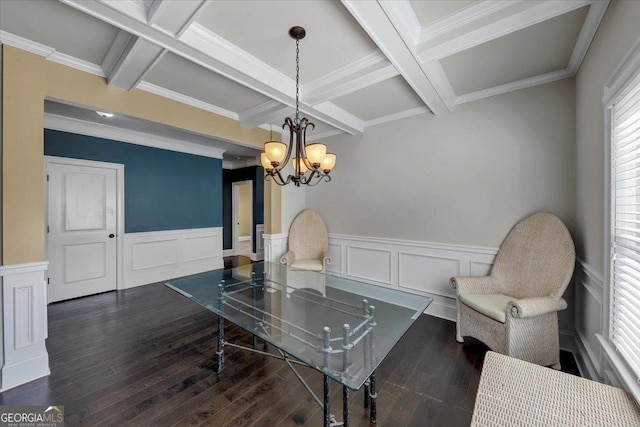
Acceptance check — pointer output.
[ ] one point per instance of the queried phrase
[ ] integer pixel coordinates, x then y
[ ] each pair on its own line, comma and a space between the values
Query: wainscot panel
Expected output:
418, 267
24, 306
589, 322
161, 255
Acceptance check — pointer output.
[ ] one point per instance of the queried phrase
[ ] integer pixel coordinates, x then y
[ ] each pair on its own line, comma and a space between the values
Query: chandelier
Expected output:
311, 163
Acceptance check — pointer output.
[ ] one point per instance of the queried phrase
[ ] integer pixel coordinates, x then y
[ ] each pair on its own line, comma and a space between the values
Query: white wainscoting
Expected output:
275, 245
24, 304
160, 255
418, 267
589, 297
259, 254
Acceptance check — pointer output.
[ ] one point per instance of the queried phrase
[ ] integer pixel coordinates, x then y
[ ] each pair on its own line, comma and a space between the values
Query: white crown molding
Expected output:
78, 64
167, 93
386, 33
366, 71
489, 23
513, 86
621, 76
49, 53
397, 116
587, 33
82, 127
25, 44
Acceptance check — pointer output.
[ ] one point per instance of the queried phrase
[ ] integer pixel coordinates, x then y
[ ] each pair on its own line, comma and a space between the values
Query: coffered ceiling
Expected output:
362, 63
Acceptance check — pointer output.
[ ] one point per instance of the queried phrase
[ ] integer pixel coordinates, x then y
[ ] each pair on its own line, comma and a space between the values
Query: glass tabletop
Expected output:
338, 326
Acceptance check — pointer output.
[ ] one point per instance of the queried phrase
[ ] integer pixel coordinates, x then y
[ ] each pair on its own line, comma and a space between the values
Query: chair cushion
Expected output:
491, 305
307, 264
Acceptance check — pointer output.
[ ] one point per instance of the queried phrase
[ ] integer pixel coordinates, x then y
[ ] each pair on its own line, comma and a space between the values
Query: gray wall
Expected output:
462, 178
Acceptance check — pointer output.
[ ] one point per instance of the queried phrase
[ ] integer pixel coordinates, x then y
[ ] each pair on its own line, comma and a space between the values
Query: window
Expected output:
621, 335
624, 269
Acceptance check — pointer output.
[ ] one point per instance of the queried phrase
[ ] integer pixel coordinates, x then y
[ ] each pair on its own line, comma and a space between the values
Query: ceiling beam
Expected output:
174, 16
364, 72
487, 21
211, 51
129, 59
373, 18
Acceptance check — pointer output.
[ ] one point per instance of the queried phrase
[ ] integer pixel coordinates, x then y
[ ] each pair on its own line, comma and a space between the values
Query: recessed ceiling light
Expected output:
105, 115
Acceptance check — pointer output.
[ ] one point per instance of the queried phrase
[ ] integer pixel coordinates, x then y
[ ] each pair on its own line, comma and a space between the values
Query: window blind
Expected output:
624, 324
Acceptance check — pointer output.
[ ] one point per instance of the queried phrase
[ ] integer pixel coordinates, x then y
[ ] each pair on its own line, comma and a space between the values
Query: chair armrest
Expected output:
326, 259
537, 306
288, 258
473, 285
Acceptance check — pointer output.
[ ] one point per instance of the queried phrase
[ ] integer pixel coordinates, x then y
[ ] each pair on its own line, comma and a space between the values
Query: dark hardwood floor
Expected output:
145, 356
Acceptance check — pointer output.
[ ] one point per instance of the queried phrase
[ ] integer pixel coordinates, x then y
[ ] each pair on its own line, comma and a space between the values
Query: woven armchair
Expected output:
514, 311
308, 243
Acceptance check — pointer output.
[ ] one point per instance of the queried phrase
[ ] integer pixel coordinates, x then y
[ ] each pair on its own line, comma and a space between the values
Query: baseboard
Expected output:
257, 256
227, 252
25, 371
244, 238
584, 360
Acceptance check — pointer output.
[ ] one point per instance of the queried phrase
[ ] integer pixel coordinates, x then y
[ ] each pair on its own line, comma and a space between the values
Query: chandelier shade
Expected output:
311, 163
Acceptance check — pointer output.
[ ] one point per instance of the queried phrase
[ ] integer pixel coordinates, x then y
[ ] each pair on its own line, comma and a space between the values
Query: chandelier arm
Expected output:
278, 179
287, 122
304, 144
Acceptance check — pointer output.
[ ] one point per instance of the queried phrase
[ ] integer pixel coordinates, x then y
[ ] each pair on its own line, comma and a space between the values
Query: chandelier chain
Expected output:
297, 80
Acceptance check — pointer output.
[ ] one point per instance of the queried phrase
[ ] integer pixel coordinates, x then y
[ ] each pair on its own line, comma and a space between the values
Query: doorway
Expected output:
242, 201
84, 226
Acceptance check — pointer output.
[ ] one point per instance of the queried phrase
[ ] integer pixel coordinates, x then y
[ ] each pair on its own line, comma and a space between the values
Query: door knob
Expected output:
111, 236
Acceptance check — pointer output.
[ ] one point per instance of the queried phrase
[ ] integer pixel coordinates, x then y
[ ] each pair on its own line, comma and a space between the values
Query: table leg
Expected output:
345, 406
373, 416
366, 394
327, 402
220, 351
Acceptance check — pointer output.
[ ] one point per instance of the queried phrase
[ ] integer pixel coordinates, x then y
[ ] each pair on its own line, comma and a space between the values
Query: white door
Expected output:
81, 239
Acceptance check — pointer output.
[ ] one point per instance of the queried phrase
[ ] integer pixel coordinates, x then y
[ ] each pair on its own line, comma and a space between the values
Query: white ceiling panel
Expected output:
54, 24
388, 97
261, 28
430, 11
179, 75
532, 51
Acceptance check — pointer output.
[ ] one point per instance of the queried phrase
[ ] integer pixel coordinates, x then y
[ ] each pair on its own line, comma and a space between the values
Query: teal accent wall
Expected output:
163, 190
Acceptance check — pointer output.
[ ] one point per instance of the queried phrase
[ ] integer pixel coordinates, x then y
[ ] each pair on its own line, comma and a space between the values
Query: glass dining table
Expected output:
340, 327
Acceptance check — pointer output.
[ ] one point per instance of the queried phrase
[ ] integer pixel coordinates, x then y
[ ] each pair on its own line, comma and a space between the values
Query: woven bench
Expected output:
515, 392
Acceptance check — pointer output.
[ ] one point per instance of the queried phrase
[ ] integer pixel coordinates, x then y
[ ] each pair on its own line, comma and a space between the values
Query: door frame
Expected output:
235, 199
119, 168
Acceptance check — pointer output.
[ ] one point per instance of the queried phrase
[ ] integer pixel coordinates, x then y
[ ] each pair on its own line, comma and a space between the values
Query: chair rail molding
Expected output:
161, 255
24, 308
